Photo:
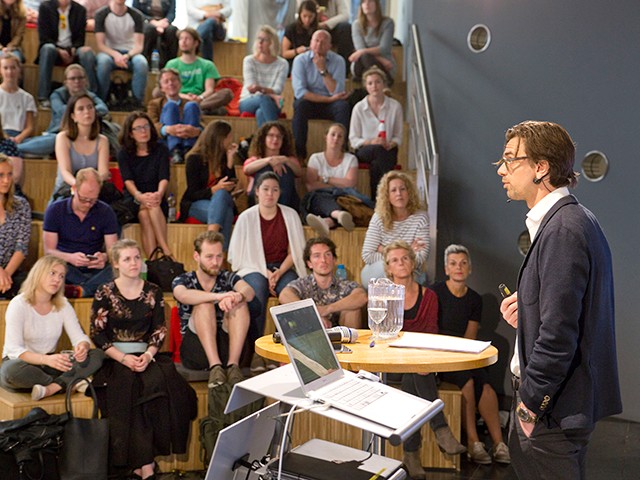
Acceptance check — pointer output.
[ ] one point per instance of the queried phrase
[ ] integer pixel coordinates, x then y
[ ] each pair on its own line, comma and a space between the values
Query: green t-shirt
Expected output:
194, 74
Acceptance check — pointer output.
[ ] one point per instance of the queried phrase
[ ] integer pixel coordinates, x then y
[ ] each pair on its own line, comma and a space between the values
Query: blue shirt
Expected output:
74, 235
305, 77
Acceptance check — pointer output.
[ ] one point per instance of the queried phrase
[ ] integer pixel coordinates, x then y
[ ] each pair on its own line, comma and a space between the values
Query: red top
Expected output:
275, 240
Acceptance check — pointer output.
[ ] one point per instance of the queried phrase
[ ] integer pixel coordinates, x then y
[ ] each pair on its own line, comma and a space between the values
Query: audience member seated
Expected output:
15, 231
331, 174
266, 248
9, 148
80, 230
61, 30
211, 180
120, 39
297, 35
459, 314
79, 145
176, 119
159, 34
339, 301
378, 150
148, 404
333, 16
92, 6
264, 74
399, 215
420, 315
144, 167
33, 326
318, 79
199, 76
17, 107
209, 18
212, 303
75, 83
12, 27
272, 150
32, 7
372, 38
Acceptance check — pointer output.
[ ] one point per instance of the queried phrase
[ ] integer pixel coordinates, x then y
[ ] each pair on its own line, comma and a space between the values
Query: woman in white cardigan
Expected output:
266, 248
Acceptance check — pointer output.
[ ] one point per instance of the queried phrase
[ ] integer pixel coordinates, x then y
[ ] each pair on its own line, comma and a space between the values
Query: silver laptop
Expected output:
323, 379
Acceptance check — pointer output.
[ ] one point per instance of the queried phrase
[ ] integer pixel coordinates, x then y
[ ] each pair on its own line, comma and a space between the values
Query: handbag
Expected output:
161, 269
360, 212
85, 448
29, 446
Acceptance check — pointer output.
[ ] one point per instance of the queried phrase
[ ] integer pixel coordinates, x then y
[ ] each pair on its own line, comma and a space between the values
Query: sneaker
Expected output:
478, 454
346, 220
318, 224
501, 453
272, 364
234, 374
447, 443
257, 365
38, 392
217, 376
412, 461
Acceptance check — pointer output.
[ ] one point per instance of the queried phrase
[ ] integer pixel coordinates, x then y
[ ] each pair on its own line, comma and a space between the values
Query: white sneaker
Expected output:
501, 453
38, 392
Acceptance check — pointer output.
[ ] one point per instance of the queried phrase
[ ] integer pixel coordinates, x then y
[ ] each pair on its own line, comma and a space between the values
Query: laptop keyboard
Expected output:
353, 393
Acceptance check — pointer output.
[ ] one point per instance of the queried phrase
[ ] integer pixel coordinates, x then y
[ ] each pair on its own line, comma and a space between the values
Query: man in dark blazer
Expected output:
565, 367
61, 31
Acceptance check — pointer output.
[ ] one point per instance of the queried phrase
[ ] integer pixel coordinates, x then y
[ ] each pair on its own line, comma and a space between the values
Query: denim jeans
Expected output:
210, 30
263, 106
218, 210
170, 115
423, 386
42, 145
17, 374
88, 278
258, 306
138, 66
47, 58
305, 110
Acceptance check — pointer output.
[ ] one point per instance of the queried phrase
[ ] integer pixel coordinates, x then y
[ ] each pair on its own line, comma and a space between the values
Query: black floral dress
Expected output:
149, 412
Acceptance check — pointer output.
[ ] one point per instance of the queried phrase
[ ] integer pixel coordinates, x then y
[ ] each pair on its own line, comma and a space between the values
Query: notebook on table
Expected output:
323, 380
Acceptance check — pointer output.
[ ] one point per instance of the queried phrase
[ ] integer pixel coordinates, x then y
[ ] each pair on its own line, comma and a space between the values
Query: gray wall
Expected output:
574, 62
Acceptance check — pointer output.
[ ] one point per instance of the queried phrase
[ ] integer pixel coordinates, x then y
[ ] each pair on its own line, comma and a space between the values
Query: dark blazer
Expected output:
48, 19
566, 331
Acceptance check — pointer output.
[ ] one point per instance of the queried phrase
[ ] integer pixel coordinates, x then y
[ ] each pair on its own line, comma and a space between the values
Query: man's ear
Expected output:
542, 168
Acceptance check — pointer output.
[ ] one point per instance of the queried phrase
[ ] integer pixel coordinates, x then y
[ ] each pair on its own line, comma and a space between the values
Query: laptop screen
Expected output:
306, 341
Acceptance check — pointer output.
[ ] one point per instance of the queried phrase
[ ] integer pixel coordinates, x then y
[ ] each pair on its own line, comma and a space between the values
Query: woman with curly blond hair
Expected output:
399, 215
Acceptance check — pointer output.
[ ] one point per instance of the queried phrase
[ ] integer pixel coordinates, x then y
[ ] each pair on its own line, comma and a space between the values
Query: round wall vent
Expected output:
595, 166
479, 38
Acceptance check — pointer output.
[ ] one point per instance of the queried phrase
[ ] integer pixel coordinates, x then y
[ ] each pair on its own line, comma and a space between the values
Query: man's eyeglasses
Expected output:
508, 161
88, 201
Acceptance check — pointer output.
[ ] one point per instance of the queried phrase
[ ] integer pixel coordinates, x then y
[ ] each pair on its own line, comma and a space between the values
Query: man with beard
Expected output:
213, 306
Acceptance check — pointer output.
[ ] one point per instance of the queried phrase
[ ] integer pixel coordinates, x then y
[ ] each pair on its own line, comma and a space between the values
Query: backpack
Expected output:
235, 85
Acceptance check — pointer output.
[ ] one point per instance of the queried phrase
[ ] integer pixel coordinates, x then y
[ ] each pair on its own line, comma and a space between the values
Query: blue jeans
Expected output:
258, 306
88, 278
305, 110
218, 210
210, 30
47, 58
263, 106
138, 66
170, 115
41, 145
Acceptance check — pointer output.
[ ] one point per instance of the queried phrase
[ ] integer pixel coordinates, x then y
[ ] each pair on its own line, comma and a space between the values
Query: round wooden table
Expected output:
385, 359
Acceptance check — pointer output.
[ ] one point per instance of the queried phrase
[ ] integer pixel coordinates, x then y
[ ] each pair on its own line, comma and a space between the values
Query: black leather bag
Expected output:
161, 269
85, 449
29, 446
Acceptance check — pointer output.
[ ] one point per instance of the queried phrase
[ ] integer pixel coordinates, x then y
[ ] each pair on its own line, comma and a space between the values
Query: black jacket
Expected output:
48, 20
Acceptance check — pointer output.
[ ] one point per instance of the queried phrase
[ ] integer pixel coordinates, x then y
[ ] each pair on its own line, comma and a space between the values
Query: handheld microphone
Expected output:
338, 334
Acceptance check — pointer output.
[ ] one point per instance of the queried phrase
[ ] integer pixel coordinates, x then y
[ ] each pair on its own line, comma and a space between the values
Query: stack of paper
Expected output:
440, 342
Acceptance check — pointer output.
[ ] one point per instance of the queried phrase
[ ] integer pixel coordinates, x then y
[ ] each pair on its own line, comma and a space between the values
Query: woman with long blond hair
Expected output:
399, 215
13, 28
211, 180
148, 404
15, 231
34, 323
